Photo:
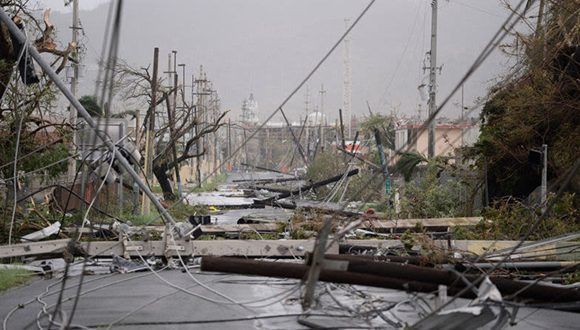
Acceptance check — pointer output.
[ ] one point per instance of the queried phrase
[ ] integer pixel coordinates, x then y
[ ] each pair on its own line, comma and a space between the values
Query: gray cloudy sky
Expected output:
267, 47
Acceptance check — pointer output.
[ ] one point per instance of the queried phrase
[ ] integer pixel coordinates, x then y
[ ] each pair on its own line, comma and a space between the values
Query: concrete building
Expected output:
448, 137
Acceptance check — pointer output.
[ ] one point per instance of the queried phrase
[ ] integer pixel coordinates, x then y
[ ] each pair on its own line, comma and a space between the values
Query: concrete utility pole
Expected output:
172, 121
544, 188
432, 78
72, 165
200, 86
322, 119
347, 83
183, 108
149, 137
193, 130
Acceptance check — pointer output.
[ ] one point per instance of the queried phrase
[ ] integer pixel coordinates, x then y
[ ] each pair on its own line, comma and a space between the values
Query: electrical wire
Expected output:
292, 93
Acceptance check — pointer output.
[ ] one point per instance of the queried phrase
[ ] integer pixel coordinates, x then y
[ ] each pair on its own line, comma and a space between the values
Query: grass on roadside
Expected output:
13, 277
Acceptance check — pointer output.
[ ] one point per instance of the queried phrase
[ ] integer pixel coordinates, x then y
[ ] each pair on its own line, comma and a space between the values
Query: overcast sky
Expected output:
267, 47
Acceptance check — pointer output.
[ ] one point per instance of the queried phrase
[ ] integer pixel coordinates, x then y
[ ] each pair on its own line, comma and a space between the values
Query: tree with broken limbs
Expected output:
137, 85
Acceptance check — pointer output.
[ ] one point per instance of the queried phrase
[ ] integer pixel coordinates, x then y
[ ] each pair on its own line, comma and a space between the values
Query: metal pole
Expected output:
544, 177
432, 78
83, 112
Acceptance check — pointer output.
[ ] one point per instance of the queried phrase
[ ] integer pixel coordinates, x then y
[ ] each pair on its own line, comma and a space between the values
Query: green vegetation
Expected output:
91, 105
430, 196
538, 105
384, 125
367, 185
510, 219
13, 277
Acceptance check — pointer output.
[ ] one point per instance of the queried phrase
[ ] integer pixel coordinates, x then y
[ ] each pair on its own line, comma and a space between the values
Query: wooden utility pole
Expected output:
150, 133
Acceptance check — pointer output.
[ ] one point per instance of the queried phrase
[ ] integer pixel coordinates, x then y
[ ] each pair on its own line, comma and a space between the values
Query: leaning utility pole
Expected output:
432, 79
72, 166
150, 134
544, 187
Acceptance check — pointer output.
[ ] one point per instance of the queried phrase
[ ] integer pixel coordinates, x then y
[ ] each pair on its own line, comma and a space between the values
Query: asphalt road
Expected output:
144, 301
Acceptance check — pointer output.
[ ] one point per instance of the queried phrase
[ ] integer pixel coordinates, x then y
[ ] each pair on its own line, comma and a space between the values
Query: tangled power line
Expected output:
106, 93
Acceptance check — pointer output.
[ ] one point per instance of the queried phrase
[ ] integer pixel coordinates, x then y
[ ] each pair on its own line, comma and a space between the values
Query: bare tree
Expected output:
136, 85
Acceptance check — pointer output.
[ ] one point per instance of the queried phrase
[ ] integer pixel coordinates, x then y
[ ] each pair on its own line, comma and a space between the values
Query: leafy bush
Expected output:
510, 219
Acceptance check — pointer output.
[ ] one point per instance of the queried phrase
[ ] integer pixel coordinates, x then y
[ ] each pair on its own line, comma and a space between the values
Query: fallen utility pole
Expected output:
317, 262
411, 260
392, 276
454, 281
308, 187
318, 184
318, 208
261, 168
273, 180
371, 164
83, 112
300, 271
298, 145
185, 248
302, 129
